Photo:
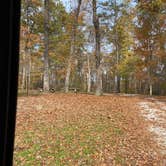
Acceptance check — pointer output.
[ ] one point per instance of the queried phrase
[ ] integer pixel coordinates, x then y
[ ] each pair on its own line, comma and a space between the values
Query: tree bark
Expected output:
28, 70
27, 50
67, 78
46, 47
88, 75
99, 82
150, 89
96, 24
23, 77
117, 85
126, 85
135, 87
72, 49
150, 48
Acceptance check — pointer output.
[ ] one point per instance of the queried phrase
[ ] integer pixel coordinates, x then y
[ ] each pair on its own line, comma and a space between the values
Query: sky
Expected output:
67, 3
106, 48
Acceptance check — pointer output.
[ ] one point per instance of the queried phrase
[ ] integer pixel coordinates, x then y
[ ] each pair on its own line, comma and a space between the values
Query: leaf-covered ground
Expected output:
77, 130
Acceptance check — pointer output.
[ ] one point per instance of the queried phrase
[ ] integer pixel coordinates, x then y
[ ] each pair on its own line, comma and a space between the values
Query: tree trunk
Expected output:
46, 47
27, 50
117, 85
54, 79
97, 50
88, 83
150, 89
85, 82
28, 70
23, 77
99, 82
67, 78
126, 85
88, 75
72, 49
135, 87
28, 77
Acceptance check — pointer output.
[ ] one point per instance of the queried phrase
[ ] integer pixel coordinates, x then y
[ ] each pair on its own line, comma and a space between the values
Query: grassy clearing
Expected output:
77, 142
81, 130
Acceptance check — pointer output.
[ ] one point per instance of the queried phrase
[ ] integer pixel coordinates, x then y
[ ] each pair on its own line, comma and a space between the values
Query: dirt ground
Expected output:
80, 129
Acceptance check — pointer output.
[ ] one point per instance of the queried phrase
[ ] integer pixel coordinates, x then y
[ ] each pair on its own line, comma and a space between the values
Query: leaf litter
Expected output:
70, 129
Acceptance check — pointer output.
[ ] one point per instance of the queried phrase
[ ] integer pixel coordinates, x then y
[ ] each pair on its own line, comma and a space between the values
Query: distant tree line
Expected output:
97, 46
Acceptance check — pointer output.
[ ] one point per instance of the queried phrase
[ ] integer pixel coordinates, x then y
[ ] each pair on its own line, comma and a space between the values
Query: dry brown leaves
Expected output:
136, 145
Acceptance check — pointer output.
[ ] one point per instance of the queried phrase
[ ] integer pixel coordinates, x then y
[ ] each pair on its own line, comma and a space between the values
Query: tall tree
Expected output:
96, 24
148, 29
117, 49
46, 46
117, 20
28, 39
73, 44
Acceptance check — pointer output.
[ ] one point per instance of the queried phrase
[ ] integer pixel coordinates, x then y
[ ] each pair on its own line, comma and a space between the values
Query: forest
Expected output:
113, 53
97, 46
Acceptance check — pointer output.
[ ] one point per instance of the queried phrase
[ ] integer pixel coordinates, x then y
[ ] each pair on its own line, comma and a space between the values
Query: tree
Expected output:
118, 20
28, 39
148, 29
73, 43
96, 24
127, 69
46, 46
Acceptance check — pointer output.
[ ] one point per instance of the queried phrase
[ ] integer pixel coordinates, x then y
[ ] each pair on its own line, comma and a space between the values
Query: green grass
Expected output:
119, 159
72, 143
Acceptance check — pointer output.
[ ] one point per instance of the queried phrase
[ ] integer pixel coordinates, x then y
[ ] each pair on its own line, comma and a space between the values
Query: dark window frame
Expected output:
9, 65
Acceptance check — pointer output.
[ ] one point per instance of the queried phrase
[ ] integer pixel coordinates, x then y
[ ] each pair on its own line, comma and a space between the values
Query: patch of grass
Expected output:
72, 143
27, 156
117, 131
119, 159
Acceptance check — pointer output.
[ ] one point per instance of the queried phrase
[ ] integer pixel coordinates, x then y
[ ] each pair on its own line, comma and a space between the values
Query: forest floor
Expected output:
80, 129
